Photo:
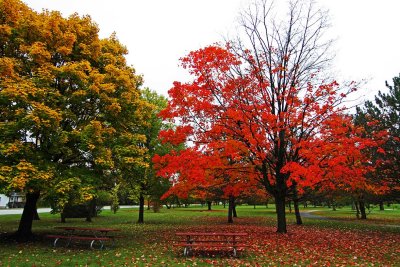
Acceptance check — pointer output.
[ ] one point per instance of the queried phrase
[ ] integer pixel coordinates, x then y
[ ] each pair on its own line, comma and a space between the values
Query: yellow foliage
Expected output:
5, 30
11, 148
65, 91
38, 52
7, 67
114, 107
44, 116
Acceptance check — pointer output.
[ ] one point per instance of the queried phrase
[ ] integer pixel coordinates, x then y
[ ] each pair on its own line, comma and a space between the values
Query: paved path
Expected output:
308, 214
44, 210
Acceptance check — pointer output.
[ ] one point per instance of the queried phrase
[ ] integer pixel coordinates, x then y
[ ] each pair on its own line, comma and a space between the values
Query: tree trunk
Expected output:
362, 209
296, 206
297, 211
63, 217
230, 209
357, 209
381, 206
234, 209
280, 213
36, 215
24, 232
148, 204
290, 206
209, 205
224, 203
141, 208
91, 210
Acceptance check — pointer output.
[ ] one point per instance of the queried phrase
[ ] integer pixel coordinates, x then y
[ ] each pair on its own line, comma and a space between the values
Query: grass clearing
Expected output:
316, 243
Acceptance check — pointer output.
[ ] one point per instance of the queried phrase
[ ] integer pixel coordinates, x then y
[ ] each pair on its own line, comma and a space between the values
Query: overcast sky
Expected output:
159, 32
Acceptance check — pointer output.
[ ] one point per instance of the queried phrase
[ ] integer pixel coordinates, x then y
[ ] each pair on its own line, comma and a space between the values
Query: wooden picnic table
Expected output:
85, 233
234, 240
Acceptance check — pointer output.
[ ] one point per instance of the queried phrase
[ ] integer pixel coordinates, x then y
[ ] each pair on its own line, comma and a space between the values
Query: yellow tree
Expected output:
67, 98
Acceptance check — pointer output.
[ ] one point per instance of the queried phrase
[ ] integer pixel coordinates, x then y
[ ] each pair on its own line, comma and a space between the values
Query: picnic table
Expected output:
191, 240
91, 234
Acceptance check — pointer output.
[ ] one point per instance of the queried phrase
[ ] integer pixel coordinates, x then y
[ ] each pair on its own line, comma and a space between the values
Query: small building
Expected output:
17, 200
13, 200
4, 201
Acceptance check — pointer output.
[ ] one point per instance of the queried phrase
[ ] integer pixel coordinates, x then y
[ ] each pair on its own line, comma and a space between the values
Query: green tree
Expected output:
147, 183
383, 115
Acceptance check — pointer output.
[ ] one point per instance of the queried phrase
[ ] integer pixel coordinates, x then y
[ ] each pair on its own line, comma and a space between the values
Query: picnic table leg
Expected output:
55, 242
188, 248
234, 246
113, 242
93, 241
70, 233
69, 242
100, 241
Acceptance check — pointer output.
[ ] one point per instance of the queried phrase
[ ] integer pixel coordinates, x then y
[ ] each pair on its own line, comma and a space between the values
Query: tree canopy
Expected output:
68, 103
257, 105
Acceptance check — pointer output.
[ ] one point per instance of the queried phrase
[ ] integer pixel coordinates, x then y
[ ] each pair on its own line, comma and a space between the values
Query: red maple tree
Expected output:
231, 110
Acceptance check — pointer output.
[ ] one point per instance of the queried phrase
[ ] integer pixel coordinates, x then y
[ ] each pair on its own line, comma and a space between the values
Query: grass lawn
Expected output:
340, 242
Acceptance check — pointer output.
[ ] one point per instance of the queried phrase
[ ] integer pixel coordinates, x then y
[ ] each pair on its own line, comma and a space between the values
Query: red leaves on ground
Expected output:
304, 245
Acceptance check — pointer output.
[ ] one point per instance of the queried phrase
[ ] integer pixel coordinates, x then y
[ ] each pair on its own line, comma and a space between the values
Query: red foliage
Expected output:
243, 129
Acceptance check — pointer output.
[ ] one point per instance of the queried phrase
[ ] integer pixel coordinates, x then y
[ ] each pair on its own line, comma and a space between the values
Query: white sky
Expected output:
159, 32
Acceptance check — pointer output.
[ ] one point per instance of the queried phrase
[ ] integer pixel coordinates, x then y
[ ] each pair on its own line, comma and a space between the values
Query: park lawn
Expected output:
316, 243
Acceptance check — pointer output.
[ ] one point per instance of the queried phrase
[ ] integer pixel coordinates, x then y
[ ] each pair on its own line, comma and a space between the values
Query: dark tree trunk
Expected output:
209, 205
224, 203
290, 206
24, 232
230, 209
381, 206
91, 210
357, 209
148, 204
280, 213
63, 217
297, 211
296, 205
141, 208
254, 206
36, 215
362, 209
234, 209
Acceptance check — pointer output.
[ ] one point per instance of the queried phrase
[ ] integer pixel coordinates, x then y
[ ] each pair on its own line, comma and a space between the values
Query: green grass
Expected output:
150, 244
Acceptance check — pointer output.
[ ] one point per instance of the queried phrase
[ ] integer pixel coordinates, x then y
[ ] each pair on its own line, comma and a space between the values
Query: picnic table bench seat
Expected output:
234, 241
